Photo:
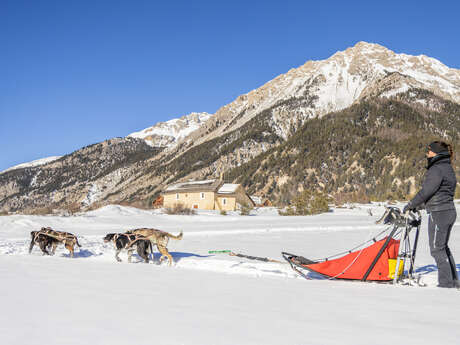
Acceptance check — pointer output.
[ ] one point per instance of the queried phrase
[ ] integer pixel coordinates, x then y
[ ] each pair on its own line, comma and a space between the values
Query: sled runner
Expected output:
381, 261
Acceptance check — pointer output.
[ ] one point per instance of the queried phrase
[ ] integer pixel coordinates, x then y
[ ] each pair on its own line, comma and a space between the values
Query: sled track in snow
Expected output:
276, 230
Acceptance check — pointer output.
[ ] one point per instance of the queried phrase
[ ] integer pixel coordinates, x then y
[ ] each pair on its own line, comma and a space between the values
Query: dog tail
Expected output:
32, 242
76, 241
177, 237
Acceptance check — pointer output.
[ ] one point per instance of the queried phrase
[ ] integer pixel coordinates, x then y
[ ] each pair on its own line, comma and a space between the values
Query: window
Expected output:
224, 201
201, 195
177, 196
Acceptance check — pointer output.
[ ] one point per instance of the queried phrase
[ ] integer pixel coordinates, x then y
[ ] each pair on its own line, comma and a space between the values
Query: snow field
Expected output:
212, 299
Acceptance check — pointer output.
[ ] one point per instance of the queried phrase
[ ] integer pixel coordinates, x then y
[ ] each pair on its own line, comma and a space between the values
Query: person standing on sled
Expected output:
437, 194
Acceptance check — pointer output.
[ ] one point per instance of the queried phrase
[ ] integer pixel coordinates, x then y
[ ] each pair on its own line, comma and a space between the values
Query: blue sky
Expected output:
73, 73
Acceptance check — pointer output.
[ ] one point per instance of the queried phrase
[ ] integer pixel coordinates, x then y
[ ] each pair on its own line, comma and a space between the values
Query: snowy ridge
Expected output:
34, 163
335, 84
169, 133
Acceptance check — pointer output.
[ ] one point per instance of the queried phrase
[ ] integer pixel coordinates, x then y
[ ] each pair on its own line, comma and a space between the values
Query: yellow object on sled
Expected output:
392, 268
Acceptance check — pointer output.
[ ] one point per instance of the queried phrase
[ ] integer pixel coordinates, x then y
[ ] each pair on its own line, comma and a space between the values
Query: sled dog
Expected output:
43, 241
129, 242
158, 238
69, 240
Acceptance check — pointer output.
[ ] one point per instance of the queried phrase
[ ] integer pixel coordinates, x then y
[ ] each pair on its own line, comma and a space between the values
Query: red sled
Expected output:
357, 265
377, 262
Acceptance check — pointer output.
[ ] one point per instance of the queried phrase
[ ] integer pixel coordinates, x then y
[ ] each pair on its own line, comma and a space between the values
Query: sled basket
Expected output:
356, 265
375, 262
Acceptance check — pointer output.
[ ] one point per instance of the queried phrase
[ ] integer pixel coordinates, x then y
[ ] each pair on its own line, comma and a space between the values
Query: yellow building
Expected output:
207, 195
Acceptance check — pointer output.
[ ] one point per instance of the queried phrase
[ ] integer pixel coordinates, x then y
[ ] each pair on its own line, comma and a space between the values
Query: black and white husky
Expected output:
130, 242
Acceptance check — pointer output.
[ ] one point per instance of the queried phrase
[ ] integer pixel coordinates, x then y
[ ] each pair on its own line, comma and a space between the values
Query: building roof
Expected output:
194, 186
228, 188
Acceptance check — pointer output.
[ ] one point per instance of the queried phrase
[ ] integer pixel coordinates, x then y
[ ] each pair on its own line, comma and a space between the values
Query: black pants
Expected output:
439, 227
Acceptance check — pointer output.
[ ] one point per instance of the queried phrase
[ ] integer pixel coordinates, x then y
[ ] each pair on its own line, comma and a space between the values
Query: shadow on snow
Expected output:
431, 268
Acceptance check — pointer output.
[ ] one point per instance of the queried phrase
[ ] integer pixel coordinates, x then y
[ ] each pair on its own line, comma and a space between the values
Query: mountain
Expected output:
169, 133
163, 134
371, 150
266, 117
321, 87
75, 180
36, 162
364, 97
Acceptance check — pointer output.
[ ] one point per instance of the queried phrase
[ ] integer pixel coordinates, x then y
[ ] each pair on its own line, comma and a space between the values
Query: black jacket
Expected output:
438, 187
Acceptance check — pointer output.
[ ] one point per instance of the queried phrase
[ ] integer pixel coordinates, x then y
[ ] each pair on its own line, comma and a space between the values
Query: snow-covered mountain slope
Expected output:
34, 163
75, 178
169, 133
333, 84
162, 134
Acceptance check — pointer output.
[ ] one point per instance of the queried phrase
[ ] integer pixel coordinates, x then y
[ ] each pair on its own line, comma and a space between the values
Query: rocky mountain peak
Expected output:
169, 133
324, 86
333, 84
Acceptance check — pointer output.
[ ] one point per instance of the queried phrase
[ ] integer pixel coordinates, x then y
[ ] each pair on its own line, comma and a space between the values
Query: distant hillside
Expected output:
69, 181
376, 148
